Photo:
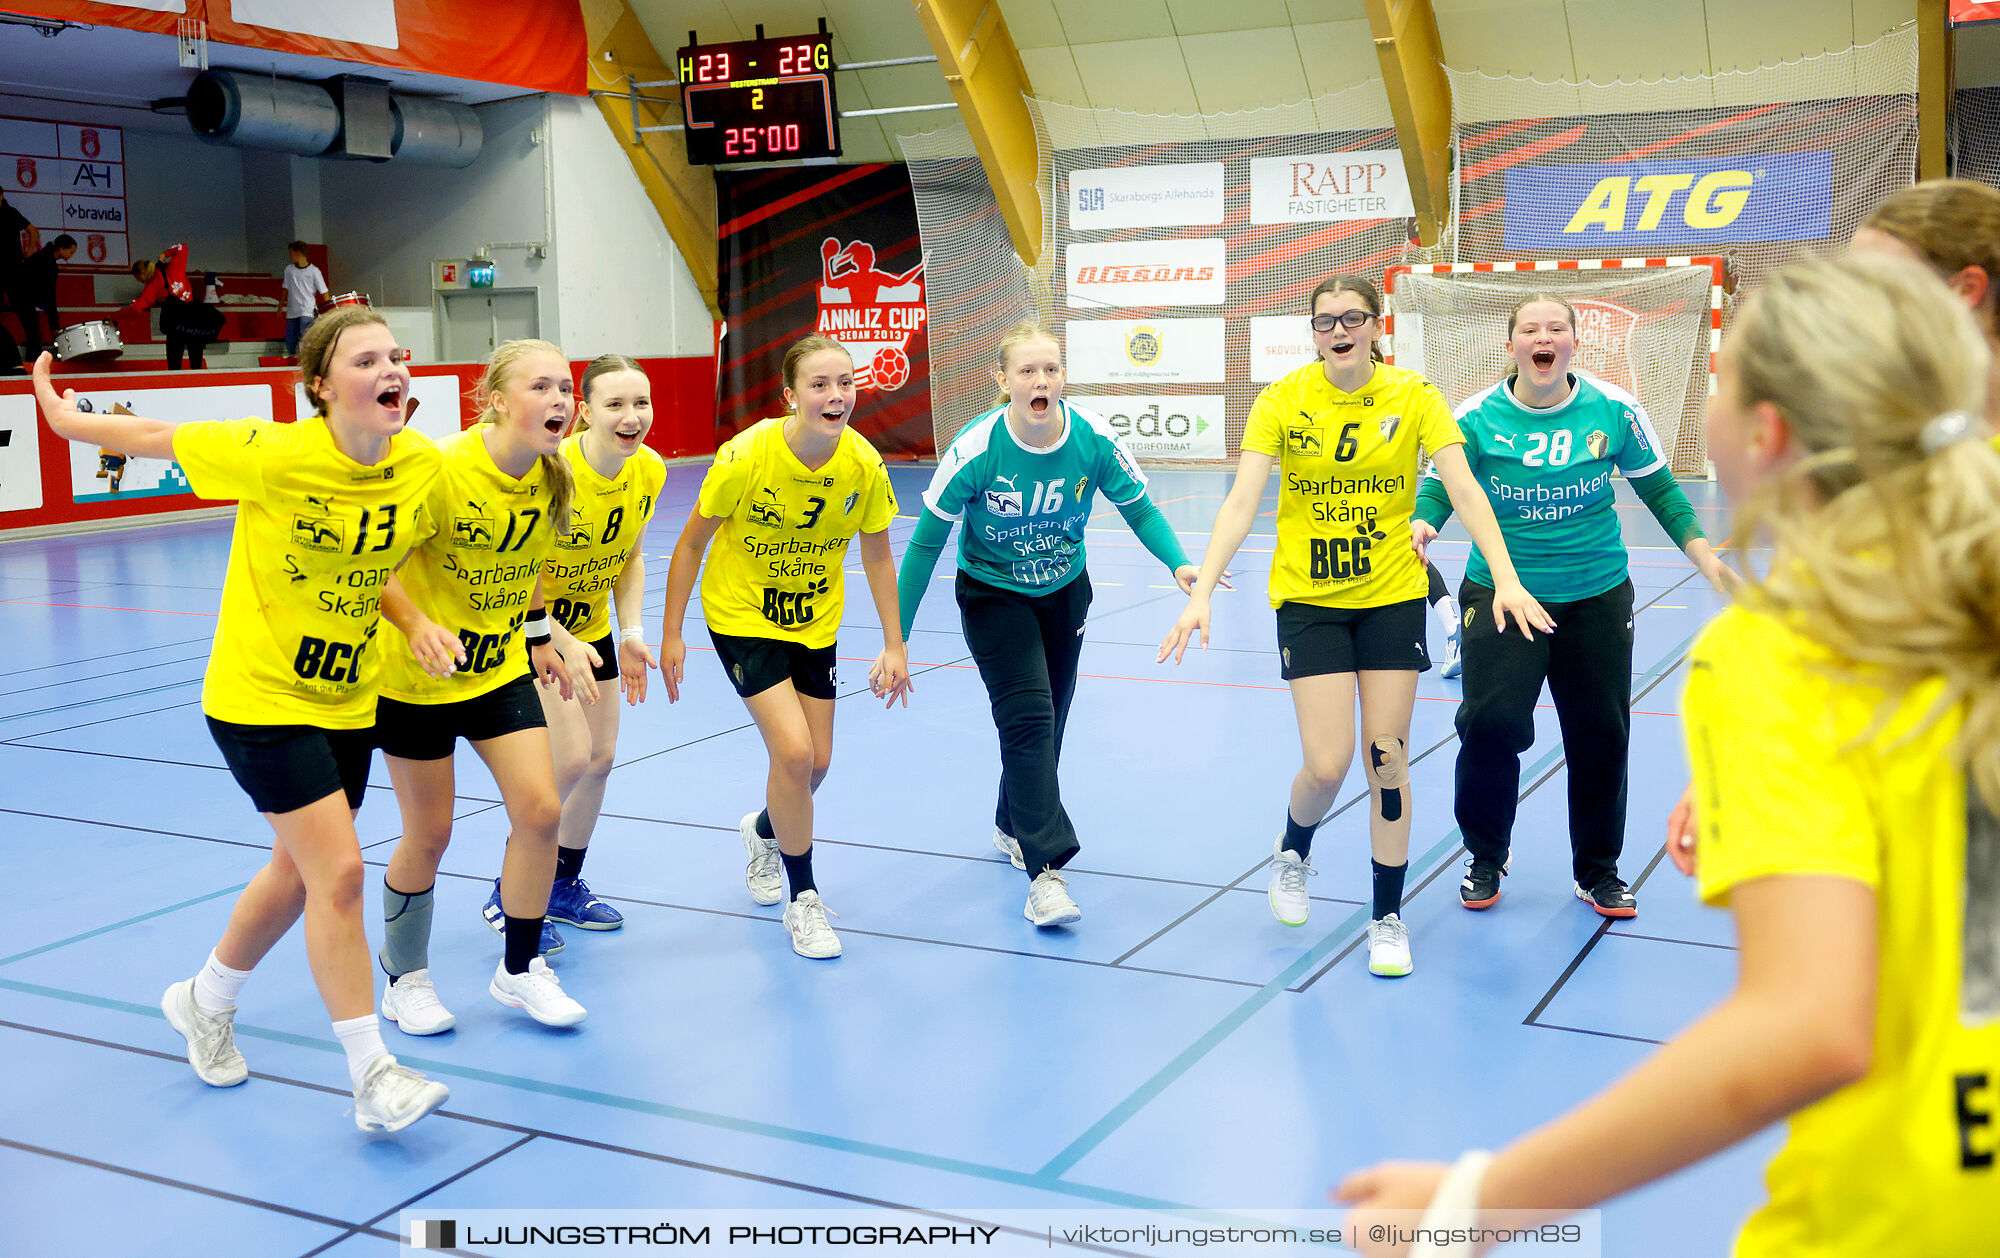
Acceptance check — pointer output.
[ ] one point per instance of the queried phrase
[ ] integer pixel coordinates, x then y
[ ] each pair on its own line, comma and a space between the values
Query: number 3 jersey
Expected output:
484, 537
1347, 472
316, 537
606, 520
774, 569
1025, 509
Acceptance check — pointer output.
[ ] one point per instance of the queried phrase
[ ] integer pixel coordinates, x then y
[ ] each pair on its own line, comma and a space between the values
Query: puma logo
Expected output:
1498, 438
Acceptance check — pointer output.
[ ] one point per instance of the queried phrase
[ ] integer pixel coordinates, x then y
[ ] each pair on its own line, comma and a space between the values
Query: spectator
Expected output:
305, 288
34, 292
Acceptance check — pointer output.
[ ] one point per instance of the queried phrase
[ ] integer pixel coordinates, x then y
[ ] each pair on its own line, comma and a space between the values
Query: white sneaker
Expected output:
1049, 902
805, 917
1454, 661
211, 1038
392, 1096
1389, 947
766, 875
1289, 871
411, 1002
1010, 847
538, 991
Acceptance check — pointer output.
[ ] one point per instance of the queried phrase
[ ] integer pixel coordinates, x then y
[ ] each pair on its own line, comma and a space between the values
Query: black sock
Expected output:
569, 862
764, 830
1298, 838
1388, 886
799, 872
1437, 590
524, 942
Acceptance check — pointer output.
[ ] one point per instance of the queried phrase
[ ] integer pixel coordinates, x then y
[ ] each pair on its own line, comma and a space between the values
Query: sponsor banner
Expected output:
1146, 351
23, 172
65, 177
90, 144
20, 454
97, 475
1330, 187
93, 214
102, 248
1164, 425
1625, 208
1278, 344
1146, 273
1184, 194
27, 138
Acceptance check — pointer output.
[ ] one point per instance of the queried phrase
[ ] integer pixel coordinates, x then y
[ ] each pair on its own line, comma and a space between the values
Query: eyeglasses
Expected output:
1350, 320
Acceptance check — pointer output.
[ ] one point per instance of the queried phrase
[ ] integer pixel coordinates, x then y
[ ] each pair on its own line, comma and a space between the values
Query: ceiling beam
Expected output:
984, 71
1412, 57
1934, 47
621, 54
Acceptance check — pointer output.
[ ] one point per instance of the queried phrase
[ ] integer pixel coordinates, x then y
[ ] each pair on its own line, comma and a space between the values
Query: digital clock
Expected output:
759, 100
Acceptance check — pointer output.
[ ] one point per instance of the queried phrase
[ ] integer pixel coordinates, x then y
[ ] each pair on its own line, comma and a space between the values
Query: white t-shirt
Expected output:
302, 284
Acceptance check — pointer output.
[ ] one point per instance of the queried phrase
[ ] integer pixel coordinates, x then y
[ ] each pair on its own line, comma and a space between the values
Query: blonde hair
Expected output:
317, 346
555, 468
602, 365
1952, 223
803, 348
1025, 332
1889, 549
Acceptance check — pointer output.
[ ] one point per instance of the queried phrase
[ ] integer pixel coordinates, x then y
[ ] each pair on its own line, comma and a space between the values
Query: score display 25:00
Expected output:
753, 141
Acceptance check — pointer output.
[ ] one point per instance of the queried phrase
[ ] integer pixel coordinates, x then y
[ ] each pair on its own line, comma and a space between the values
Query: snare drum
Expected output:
98, 338
348, 299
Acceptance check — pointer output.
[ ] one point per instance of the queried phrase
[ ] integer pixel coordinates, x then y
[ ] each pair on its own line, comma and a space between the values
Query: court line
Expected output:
1691, 943
86, 703
21, 739
71, 681
130, 921
106, 655
157, 611
1100, 1131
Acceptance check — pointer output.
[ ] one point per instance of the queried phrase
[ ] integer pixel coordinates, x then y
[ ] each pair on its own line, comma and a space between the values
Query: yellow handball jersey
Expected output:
774, 569
474, 571
606, 520
1347, 482
1902, 1162
316, 538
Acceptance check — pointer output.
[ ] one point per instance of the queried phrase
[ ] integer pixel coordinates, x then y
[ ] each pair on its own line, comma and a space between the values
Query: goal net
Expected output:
1649, 326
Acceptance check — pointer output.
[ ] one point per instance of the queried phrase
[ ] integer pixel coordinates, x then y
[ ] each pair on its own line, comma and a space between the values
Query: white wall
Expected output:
178, 187
625, 287
386, 222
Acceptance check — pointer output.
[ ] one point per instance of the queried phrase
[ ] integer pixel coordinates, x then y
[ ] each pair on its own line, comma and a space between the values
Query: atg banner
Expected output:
831, 250
1626, 208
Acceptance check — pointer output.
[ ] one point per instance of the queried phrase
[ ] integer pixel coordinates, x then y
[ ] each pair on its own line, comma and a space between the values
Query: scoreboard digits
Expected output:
759, 100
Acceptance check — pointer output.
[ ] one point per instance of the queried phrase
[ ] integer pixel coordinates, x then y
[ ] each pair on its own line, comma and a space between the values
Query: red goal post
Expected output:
1650, 326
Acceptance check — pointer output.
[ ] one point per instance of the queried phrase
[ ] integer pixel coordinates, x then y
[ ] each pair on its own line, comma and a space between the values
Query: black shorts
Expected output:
755, 665
285, 767
429, 731
606, 668
1314, 641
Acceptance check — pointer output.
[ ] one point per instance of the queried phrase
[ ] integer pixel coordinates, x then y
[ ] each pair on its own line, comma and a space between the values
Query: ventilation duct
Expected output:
345, 117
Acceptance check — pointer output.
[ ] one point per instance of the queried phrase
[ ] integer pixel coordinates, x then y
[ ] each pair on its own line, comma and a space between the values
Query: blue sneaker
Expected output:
496, 917
572, 903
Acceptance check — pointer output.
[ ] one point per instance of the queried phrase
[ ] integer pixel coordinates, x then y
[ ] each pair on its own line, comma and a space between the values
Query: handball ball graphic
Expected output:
891, 368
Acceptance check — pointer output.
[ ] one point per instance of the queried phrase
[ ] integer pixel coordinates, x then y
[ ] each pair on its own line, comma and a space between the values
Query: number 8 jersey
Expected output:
485, 536
774, 570
606, 520
315, 540
1347, 469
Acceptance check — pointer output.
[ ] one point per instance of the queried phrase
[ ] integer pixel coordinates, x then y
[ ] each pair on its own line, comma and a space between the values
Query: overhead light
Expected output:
46, 27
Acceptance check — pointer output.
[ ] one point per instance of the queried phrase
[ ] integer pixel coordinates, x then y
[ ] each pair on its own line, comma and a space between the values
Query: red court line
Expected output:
89, 607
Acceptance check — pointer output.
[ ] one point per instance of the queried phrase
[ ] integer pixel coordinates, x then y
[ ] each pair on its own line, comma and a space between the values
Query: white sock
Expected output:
362, 1038
216, 986
1447, 612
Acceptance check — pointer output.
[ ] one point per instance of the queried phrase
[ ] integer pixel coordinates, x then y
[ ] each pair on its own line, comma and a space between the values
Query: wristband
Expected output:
1455, 1205
535, 628
633, 633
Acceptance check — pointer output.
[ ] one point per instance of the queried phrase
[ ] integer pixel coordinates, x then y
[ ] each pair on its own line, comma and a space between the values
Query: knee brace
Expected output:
1389, 772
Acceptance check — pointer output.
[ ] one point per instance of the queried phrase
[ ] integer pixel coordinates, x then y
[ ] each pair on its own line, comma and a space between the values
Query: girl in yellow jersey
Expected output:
1347, 584
1844, 729
327, 507
470, 606
595, 564
788, 495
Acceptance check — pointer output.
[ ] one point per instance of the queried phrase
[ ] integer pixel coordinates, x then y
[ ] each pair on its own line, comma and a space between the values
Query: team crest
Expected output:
766, 510
847, 508
317, 533
1142, 346
1389, 426
1597, 443
1077, 493
1004, 503
578, 537
1304, 440
473, 531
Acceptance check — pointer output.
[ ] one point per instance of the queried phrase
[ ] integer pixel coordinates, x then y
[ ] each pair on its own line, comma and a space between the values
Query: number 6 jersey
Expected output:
316, 538
774, 569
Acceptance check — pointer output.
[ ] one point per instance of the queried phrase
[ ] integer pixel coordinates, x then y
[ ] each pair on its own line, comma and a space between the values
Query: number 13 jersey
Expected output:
774, 570
1347, 482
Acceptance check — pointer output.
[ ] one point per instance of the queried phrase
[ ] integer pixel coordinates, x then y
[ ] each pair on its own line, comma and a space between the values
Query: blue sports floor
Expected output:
1177, 1047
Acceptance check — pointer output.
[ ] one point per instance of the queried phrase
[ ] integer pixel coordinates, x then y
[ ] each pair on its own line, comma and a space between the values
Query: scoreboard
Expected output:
759, 100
